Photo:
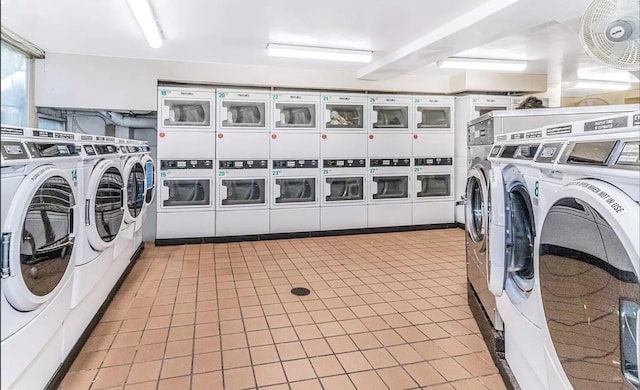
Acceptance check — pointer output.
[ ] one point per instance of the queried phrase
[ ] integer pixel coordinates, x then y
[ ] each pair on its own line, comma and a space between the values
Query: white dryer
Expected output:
432, 191
96, 271
295, 204
344, 194
390, 126
295, 130
433, 129
186, 199
389, 195
242, 205
344, 126
512, 270
40, 221
588, 254
243, 124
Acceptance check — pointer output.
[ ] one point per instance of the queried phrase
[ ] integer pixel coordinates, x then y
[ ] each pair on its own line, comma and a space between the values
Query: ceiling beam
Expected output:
492, 20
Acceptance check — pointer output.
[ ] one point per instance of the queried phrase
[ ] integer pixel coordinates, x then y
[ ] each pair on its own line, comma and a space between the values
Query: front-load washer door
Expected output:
477, 209
344, 190
185, 194
242, 192
295, 191
38, 238
149, 179
389, 187
433, 186
588, 270
104, 205
135, 190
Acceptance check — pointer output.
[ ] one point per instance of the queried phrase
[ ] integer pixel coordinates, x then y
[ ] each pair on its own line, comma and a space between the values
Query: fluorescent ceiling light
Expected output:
483, 64
599, 84
147, 21
318, 53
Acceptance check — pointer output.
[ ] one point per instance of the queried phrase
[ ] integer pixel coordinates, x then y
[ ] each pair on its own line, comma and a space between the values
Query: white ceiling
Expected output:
407, 36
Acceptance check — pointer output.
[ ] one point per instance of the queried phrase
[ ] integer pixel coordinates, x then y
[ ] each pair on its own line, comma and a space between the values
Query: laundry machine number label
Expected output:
222, 94
372, 170
275, 173
222, 173
163, 174
325, 171
275, 97
536, 189
74, 175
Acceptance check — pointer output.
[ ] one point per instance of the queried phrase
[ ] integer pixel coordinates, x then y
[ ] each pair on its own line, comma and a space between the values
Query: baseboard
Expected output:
57, 378
323, 233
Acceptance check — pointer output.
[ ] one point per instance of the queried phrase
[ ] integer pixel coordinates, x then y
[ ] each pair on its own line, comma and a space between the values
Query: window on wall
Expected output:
15, 86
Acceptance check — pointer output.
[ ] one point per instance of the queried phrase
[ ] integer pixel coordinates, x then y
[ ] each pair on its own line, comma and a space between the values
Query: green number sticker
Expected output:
74, 175
222, 173
275, 173
416, 169
163, 92
163, 174
275, 97
325, 98
325, 171
536, 190
372, 100
222, 94
372, 170
417, 100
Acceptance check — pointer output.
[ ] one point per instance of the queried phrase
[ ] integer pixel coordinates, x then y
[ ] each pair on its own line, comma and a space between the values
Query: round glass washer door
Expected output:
520, 236
149, 179
105, 201
135, 193
476, 208
40, 230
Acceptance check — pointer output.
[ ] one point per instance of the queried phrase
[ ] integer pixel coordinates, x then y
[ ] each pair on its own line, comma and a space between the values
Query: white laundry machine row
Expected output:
295, 130
389, 183
186, 199
390, 126
295, 192
242, 204
41, 223
432, 191
344, 195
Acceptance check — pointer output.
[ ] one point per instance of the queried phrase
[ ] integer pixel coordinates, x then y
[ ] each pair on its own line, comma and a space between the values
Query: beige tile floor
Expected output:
385, 311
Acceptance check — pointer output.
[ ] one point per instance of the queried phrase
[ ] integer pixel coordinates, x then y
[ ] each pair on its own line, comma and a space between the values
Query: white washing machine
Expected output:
432, 191
390, 126
40, 222
344, 194
243, 124
242, 206
186, 199
186, 123
389, 201
295, 188
468, 108
295, 130
97, 271
588, 255
133, 172
344, 126
433, 129
512, 270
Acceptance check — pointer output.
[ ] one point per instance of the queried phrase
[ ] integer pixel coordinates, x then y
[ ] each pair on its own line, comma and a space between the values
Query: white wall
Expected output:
77, 81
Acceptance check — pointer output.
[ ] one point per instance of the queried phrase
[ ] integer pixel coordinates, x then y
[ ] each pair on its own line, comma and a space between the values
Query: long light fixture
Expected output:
599, 84
147, 21
482, 64
318, 53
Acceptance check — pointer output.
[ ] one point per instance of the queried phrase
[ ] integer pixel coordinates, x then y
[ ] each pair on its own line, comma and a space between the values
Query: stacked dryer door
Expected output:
295, 206
344, 194
390, 127
295, 151
243, 201
477, 208
40, 221
186, 144
432, 191
243, 139
389, 201
343, 140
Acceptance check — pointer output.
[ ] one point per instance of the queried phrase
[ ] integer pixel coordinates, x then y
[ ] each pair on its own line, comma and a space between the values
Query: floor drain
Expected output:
300, 291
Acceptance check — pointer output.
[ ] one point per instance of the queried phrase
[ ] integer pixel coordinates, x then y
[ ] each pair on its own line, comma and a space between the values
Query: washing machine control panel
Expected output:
548, 152
389, 162
431, 161
347, 163
13, 150
291, 164
186, 164
48, 149
629, 156
243, 164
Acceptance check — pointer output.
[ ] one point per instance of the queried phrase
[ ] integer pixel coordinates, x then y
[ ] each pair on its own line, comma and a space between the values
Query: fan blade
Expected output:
627, 8
617, 52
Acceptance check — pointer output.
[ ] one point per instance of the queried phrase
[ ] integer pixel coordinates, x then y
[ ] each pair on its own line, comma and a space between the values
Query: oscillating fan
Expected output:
610, 33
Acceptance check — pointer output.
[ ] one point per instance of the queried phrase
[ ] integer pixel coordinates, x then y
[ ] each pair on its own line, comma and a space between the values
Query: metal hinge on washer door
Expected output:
6, 247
